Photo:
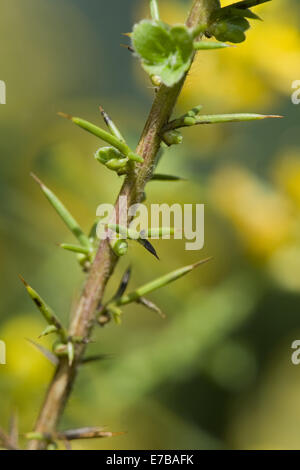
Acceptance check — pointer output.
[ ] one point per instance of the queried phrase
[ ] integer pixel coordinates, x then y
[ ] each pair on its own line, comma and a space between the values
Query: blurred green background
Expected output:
217, 373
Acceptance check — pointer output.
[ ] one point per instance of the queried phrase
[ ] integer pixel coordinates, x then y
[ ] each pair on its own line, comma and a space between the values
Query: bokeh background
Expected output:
217, 373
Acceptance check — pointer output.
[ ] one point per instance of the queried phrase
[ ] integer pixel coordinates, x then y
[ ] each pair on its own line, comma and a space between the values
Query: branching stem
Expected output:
105, 261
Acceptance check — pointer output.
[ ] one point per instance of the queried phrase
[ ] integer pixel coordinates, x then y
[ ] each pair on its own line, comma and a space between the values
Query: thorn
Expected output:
149, 247
104, 115
36, 179
271, 116
65, 115
129, 48
203, 261
123, 284
46, 353
23, 280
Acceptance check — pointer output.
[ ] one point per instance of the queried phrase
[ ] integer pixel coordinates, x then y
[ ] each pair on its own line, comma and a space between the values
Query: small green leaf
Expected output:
230, 23
164, 51
232, 30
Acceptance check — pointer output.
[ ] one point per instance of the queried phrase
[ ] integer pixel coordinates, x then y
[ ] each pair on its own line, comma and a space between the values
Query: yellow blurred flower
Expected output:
24, 363
287, 174
262, 217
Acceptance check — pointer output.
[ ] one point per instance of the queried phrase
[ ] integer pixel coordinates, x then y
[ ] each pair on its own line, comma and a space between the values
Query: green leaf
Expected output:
230, 23
164, 51
232, 29
248, 3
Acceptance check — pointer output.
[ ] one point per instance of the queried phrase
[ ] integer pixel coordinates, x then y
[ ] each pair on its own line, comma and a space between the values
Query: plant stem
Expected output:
105, 260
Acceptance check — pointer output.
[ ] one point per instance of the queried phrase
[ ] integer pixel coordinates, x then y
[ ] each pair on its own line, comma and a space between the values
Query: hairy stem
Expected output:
105, 260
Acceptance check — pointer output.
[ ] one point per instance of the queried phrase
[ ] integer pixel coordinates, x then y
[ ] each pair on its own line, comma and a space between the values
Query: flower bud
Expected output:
172, 137
119, 247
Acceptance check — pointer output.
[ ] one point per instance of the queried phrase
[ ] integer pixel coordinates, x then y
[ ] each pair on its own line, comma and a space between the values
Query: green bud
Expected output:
59, 348
156, 80
172, 137
189, 121
105, 154
195, 111
117, 164
119, 247
134, 157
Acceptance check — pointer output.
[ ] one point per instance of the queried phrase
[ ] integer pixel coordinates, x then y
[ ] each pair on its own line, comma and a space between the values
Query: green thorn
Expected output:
111, 125
46, 353
63, 212
102, 134
71, 352
210, 45
154, 10
151, 306
75, 248
157, 284
45, 310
